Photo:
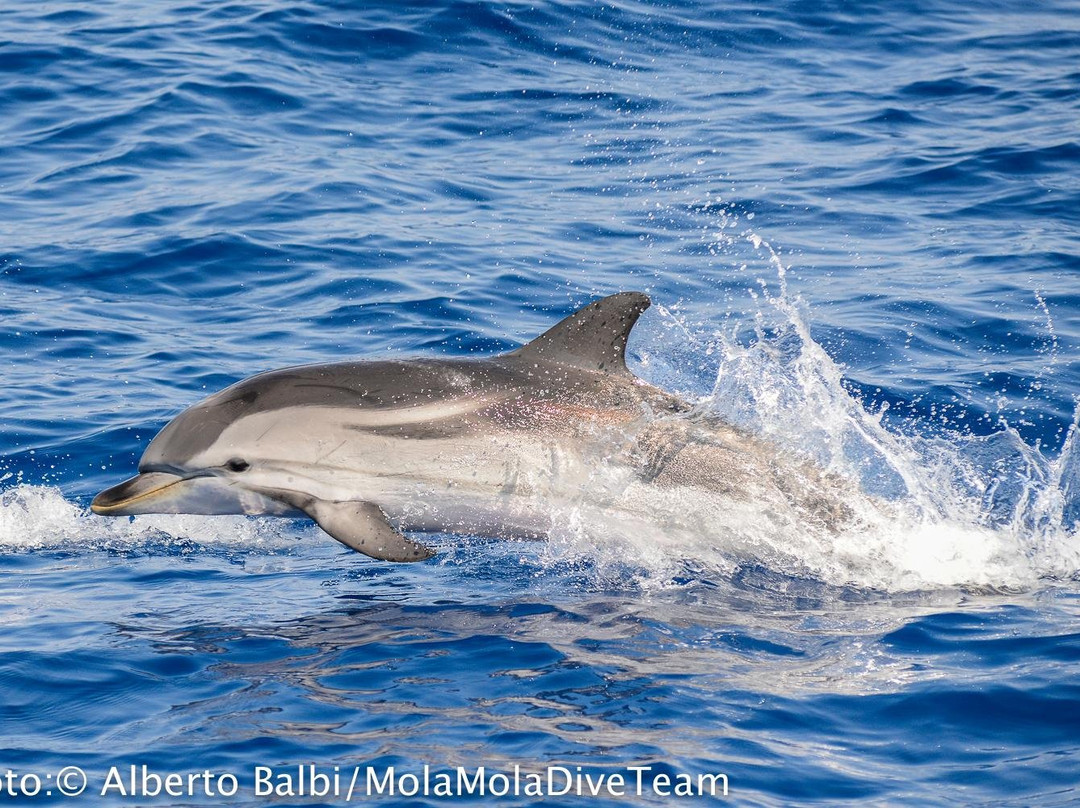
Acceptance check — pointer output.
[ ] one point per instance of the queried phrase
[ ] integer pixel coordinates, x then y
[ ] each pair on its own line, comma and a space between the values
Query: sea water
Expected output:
858, 225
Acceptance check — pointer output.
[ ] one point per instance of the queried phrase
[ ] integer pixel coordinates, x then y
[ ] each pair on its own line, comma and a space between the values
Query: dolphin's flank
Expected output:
494, 447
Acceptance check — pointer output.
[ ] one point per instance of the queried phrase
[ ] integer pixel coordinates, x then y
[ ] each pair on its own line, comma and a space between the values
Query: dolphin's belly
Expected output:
505, 518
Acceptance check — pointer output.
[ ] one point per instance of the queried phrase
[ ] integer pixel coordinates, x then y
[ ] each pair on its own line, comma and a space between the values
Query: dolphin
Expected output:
496, 446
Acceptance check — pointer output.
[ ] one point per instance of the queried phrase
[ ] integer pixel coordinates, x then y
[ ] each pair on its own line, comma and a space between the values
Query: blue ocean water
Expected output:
859, 228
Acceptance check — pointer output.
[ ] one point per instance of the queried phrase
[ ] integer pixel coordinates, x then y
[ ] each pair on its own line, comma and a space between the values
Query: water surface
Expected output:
859, 229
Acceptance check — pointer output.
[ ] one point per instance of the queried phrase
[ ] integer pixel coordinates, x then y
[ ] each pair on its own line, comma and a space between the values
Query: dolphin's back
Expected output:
371, 386
578, 363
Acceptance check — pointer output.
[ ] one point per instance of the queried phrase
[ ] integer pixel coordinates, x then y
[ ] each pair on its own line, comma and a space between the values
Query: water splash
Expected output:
39, 517
956, 509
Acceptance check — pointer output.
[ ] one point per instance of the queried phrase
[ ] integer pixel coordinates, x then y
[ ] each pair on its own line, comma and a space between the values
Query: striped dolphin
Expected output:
490, 447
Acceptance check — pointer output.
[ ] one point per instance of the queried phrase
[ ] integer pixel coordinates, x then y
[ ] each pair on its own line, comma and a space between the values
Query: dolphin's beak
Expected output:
198, 492
149, 492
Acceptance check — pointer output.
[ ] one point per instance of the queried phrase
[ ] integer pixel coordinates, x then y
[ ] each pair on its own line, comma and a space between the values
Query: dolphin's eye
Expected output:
237, 464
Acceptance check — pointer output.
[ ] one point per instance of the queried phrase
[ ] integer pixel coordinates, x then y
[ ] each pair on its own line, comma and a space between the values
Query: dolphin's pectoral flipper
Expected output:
363, 527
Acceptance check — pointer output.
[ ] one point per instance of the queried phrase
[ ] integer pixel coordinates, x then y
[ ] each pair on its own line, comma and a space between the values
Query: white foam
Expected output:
36, 517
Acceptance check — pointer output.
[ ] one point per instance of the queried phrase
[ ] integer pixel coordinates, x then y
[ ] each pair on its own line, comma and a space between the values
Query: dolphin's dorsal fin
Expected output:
593, 338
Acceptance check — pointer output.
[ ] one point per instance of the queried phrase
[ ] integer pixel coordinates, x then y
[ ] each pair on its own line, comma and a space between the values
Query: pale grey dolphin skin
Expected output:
486, 447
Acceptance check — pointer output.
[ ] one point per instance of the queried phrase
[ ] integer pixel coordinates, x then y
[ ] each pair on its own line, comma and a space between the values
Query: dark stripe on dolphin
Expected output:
592, 340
